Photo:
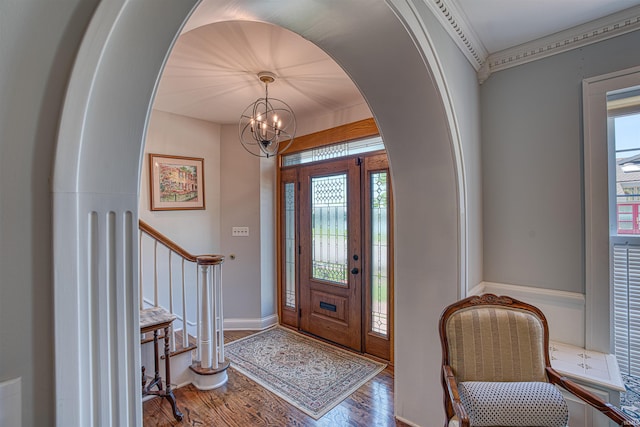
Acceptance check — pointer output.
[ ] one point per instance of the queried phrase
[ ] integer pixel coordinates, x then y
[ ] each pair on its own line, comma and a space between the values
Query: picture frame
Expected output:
176, 182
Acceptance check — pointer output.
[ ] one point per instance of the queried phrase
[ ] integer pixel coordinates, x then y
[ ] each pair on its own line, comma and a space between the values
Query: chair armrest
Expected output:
606, 408
454, 397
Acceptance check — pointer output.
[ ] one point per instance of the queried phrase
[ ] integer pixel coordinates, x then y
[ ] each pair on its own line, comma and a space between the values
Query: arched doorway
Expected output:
97, 175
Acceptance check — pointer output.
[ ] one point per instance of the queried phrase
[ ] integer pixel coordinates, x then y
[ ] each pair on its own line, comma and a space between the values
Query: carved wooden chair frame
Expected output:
452, 403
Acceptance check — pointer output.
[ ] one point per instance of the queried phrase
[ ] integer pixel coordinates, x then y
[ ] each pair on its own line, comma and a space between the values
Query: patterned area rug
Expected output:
312, 376
630, 400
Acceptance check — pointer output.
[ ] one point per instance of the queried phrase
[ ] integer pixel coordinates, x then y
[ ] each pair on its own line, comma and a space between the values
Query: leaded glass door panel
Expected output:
289, 247
330, 258
378, 256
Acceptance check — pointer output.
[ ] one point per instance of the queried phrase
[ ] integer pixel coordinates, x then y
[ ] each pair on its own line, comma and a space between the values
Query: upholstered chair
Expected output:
496, 369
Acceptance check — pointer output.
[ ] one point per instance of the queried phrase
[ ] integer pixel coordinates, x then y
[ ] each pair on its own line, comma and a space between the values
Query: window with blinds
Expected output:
624, 193
626, 307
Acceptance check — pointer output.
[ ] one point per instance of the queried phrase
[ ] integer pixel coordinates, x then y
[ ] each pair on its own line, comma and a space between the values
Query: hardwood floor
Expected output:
242, 403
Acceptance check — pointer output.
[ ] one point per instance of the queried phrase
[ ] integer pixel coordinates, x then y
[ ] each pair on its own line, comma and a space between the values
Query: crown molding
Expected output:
455, 23
605, 28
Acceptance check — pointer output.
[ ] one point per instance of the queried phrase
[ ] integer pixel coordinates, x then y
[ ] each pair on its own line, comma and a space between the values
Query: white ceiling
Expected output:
211, 73
501, 24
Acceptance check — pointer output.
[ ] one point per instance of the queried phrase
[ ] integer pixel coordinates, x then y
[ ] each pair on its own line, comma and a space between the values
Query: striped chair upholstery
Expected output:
493, 343
496, 369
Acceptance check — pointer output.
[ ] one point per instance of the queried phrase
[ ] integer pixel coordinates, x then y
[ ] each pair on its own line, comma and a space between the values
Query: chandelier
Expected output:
267, 126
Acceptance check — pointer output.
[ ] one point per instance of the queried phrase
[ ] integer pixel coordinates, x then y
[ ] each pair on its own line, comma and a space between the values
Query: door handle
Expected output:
355, 270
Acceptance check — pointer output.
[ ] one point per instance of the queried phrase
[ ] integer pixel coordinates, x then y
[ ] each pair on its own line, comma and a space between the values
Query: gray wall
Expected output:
240, 201
197, 231
39, 42
532, 158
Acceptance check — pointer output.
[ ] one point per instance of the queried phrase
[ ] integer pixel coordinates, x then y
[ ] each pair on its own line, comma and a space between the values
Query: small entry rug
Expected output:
311, 375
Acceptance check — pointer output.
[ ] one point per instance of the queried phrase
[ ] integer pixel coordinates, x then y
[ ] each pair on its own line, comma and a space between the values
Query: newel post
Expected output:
211, 370
210, 336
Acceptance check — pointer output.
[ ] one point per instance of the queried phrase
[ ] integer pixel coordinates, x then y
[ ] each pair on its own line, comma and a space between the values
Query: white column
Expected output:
204, 337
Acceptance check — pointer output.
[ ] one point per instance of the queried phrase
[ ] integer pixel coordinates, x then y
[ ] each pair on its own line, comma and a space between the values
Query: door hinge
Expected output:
299, 249
359, 161
299, 313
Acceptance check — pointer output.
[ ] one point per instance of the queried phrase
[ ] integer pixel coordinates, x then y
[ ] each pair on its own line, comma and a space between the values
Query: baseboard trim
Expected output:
565, 311
407, 422
250, 324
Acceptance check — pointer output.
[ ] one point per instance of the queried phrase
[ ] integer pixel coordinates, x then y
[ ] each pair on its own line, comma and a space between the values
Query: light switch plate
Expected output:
240, 231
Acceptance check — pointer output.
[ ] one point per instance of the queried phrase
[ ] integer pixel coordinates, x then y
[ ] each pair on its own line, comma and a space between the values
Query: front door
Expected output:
336, 251
330, 246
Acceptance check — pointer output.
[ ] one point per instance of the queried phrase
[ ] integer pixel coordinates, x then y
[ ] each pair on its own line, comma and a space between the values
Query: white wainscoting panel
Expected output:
565, 311
583, 415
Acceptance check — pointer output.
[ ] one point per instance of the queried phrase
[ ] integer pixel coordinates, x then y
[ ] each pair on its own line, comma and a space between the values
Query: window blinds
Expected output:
626, 307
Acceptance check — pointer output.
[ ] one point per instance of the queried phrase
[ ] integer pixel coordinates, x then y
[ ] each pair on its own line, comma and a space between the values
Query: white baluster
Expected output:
155, 273
198, 302
172, 338
185, 335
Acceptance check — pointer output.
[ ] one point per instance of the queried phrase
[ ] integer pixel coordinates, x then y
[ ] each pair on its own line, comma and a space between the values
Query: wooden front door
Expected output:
336, 251
330, 258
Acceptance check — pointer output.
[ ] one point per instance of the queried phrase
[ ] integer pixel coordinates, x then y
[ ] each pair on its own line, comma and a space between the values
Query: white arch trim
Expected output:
97, 171
409, 14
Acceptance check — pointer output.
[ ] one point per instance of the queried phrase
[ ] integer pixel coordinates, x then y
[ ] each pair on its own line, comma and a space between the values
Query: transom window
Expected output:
334, 151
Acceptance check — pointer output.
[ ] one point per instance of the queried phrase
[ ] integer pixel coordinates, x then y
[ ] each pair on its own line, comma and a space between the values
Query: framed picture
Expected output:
177, 183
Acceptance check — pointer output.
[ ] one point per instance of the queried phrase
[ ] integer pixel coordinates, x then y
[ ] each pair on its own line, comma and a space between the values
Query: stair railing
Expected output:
209, 318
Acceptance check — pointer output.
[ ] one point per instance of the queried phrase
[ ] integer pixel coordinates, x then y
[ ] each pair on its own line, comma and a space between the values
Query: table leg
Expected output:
167, 366
156, 379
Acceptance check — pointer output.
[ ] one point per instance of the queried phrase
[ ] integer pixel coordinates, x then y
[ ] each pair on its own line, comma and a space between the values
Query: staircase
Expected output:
188, 286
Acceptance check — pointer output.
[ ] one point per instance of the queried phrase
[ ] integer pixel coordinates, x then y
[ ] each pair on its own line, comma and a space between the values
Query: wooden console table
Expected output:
153, 320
